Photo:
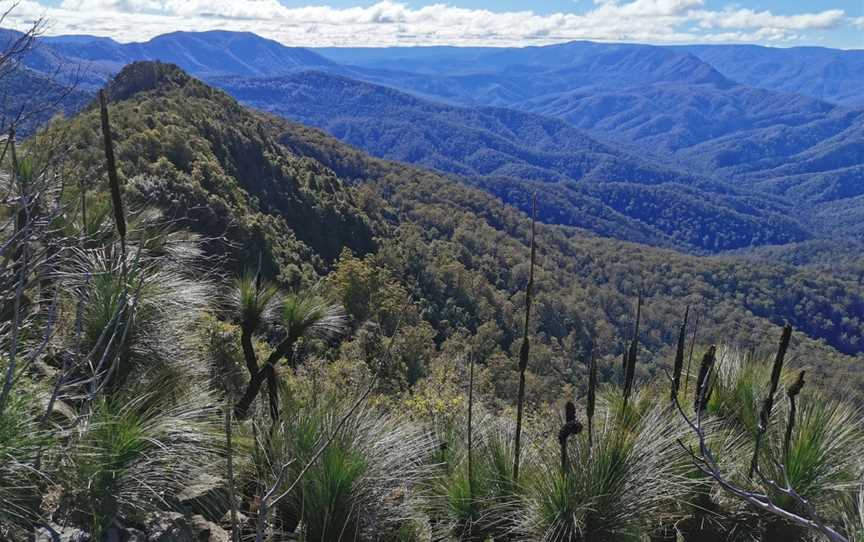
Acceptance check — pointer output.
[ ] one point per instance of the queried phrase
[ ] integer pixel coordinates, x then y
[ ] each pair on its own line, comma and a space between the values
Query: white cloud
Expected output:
391, 22
747, 18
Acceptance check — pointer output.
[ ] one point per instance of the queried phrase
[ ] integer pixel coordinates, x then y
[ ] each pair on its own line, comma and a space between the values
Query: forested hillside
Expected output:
267, 185
763, 161
818, 72
512, 154
780, 123
220, 320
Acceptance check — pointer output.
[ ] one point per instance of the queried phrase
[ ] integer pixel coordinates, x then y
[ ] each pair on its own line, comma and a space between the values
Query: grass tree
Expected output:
525, 348
798, 484
135, 451
22, 475
254, 303
340, 472
302, 317
619, 489
483, 503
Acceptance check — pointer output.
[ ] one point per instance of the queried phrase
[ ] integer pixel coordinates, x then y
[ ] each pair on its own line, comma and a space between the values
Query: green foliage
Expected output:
23, 440
146, 322
486, 505
446, 279
621, 489
134, 453
252, 302
513, 154
362, 487
305, 315
824, 461
196, 153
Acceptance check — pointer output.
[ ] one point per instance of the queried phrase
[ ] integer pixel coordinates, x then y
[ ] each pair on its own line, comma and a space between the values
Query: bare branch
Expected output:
707, 464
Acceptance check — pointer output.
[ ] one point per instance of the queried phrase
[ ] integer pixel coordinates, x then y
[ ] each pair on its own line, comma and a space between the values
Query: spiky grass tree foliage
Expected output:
363, 485
824, 456
738, 388
253, 302
823, 459
22, 475
303, 317
484, 506
148, 321
629, 409
623, 487
853, 515
135, 451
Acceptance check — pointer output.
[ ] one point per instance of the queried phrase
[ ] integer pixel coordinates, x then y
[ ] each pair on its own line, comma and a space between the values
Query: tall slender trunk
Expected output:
248, 351
470, 425
524, 351
113, 181
273, 391
679, 356
241, 410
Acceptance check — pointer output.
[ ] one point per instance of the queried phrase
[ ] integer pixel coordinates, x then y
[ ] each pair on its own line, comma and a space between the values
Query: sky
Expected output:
316, 23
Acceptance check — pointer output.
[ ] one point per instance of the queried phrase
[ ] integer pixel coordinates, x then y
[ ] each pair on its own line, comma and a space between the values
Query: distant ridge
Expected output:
203, 54
657, 109
826, 74
511, 154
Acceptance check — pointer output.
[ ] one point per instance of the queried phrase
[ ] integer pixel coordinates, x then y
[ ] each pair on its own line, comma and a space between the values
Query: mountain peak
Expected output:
145, 76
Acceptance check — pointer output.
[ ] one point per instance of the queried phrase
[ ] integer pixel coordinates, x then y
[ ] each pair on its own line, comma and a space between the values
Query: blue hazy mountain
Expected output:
203, 54
833, 75
666, 101
828, 74
455, 109
512, 154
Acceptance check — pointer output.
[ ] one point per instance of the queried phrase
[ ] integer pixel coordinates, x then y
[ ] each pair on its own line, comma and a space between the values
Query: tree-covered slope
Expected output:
29, 100
512, 154
199, 154
832, 75
761, 288
269, 185
671, 102
667, 103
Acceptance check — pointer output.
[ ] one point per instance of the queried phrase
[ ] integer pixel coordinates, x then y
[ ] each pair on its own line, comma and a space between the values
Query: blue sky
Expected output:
832, 23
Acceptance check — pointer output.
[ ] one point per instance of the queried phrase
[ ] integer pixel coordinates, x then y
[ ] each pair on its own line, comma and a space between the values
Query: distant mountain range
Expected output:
512, 154
818, 72
659, 145
832, 75
204, 53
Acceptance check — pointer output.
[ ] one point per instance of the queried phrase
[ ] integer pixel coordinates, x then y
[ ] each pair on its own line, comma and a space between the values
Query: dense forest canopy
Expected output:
273, 188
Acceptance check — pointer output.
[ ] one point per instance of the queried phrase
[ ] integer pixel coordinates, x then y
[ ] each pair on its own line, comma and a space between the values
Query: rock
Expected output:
52, 532
242, 520
207, 495
133, 535
207, 531
125, 534
169, 527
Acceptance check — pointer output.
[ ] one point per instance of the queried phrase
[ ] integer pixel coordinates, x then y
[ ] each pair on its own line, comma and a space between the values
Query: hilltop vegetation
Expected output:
200, 156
